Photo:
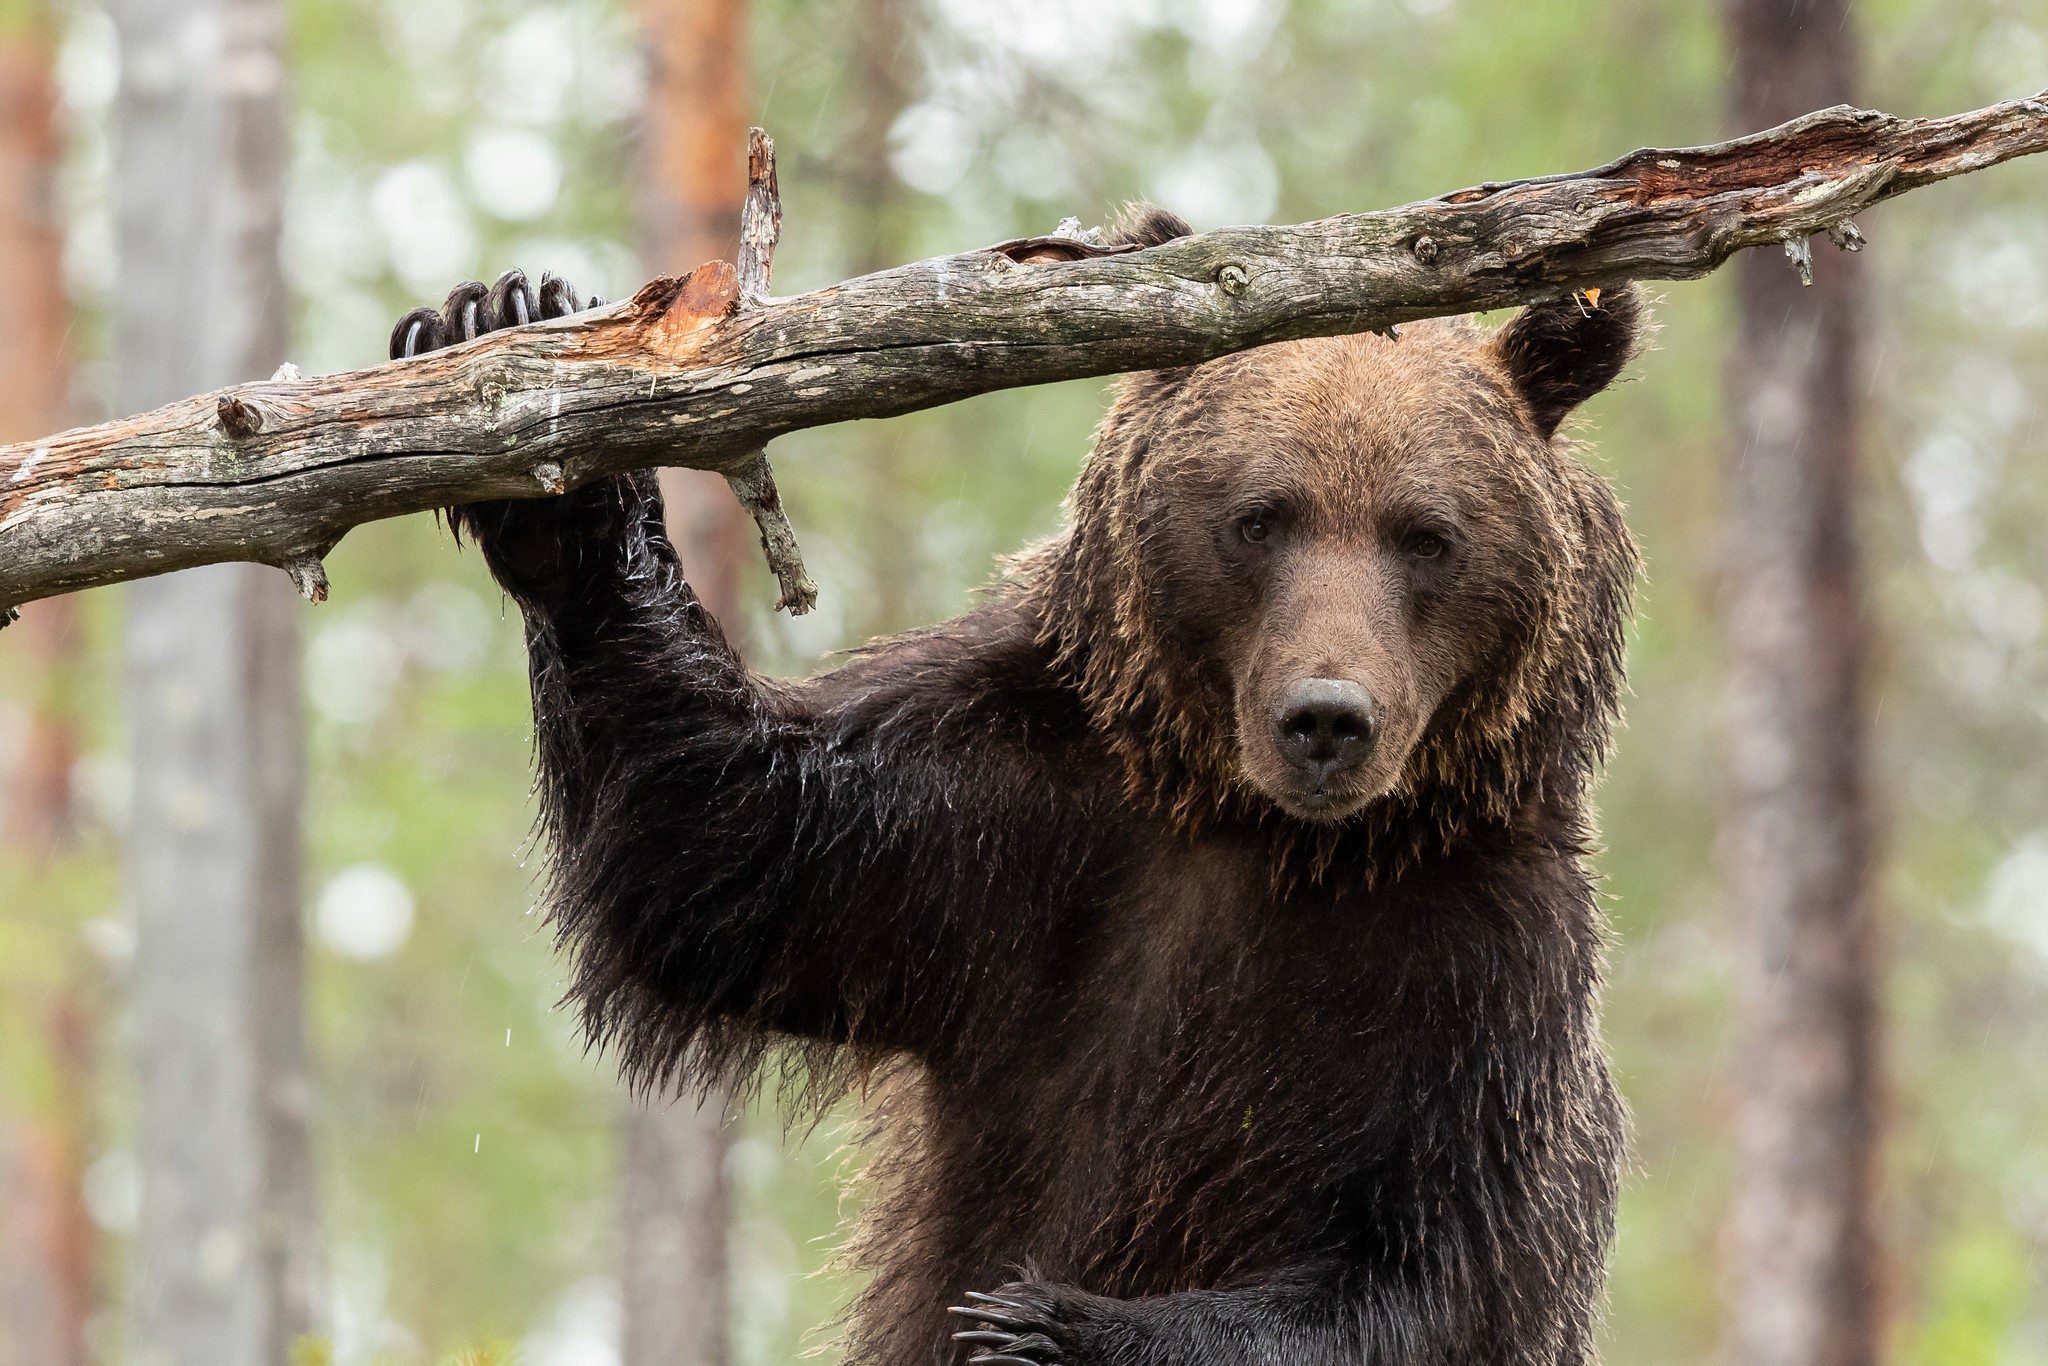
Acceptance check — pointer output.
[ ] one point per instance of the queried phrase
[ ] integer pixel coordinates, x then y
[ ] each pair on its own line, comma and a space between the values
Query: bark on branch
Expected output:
695, 371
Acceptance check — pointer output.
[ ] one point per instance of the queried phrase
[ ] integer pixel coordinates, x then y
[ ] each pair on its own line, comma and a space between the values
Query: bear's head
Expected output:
1330, 579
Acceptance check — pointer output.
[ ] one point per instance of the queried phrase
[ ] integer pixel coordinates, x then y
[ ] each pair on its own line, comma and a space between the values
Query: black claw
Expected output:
1002, 1300
557, 297
462, 315
511, 303
986, 1337
1003, 1359
595, 302
417, 333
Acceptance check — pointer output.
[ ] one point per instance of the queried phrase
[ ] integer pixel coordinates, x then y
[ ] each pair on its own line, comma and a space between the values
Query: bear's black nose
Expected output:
1325, 726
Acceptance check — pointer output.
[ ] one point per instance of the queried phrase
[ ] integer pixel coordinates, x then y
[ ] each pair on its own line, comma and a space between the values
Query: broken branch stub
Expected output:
754, 485
760, 220
752, 480
684, 373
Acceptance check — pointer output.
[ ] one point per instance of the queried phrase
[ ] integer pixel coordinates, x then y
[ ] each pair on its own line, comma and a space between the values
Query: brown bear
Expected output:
1206, 915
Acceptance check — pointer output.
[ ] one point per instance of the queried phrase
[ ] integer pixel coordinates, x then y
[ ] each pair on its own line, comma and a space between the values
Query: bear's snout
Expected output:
1325, 727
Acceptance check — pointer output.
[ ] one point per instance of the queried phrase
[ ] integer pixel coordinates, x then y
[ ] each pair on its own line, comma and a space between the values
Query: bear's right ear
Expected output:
1561, 352
1146, 225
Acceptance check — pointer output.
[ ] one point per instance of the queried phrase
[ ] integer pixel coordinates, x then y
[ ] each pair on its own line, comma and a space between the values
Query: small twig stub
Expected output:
1799, 252
309, 576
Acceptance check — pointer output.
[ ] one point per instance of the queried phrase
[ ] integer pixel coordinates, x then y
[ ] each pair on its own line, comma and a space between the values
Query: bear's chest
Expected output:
1230, 1073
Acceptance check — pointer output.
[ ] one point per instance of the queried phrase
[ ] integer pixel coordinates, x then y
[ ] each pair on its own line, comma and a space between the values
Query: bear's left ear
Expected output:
1562, 352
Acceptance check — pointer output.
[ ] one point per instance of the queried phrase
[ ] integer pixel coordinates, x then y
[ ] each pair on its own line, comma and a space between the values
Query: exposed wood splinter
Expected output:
1034, 251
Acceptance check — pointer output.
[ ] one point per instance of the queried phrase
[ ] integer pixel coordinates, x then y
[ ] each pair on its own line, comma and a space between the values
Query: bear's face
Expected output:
1325, 572
1344, 529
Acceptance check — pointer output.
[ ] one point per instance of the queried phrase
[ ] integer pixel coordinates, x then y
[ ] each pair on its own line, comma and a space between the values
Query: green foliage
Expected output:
1979, 1288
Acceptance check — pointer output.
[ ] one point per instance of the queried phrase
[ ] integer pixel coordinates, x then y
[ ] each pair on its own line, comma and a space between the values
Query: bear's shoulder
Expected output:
980, 687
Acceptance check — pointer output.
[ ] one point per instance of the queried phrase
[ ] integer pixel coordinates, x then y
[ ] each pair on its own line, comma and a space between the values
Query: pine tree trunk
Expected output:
46, 1238
47, 1242
882, 57
225, 1245
676, 1201
34, 386
1803, 1255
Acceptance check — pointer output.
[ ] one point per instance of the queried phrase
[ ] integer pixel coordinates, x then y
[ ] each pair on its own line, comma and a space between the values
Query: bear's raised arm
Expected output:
733, 861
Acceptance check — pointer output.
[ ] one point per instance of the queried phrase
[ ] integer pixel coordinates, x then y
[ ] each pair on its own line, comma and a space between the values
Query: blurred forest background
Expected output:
470, 1154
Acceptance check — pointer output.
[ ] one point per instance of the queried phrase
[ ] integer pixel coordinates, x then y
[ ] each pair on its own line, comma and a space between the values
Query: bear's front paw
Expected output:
1029, 1323
531, 543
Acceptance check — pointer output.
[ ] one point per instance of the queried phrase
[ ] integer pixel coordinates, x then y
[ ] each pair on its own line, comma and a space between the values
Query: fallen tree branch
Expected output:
704, 370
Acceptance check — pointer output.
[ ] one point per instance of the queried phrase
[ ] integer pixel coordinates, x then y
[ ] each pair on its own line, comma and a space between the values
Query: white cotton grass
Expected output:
364, 912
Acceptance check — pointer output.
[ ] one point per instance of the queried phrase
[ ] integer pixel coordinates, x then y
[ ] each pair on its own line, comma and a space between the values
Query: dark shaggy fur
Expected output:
1210, 1061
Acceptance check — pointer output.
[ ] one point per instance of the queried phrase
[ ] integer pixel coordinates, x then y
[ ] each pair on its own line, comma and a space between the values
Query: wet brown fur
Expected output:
1211, 1082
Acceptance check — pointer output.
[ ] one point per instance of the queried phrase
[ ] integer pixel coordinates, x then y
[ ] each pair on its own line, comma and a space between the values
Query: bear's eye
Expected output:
1255, 526
1424, 545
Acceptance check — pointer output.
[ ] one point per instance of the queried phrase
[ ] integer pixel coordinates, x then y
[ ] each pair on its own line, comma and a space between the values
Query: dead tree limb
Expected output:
752, 481
691, 372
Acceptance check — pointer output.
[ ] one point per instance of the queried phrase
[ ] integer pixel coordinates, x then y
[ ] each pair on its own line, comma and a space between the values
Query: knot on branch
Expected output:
238, 419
